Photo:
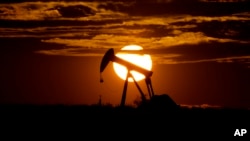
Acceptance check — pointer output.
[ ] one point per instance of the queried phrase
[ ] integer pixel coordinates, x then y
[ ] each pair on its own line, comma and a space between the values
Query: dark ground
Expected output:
126, 121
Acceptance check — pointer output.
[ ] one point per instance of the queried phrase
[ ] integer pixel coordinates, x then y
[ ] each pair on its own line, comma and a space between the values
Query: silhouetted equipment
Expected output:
163, 102
160, 103
110, 56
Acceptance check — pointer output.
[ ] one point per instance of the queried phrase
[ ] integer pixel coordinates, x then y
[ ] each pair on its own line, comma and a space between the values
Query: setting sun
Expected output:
142, 60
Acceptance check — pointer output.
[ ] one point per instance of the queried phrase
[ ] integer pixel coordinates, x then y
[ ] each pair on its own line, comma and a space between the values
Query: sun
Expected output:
133, 54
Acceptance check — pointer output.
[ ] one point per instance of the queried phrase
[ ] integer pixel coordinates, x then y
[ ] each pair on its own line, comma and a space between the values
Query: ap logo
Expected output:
240, 132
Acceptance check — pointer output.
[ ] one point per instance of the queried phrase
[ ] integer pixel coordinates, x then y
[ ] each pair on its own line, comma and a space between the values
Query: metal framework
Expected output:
110, 56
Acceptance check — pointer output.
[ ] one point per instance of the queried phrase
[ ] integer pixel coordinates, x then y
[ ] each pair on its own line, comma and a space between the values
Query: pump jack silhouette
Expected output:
110, 56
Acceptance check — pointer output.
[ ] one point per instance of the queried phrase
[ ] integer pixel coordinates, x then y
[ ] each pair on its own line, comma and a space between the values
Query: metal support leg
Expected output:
138, 87
149, 92
152, 91
149, 86
124, 91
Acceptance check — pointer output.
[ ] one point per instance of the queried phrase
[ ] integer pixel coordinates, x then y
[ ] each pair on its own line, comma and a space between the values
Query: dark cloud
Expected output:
11, 46
116, 6
166, 26
45, 11
192, 7
230, 29
205, 52
75, 11
51, 23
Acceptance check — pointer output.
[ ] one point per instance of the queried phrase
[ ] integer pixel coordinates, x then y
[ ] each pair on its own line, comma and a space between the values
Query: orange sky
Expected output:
75, 80
51, 51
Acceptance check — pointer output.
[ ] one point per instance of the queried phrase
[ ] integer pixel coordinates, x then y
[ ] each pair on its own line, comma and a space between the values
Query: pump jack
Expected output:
110, 56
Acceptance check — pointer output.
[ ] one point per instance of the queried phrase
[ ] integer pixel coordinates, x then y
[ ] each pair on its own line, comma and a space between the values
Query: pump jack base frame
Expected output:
149, 87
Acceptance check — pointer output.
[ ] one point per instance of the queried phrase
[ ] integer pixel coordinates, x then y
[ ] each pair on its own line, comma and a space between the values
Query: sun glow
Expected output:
142, 60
